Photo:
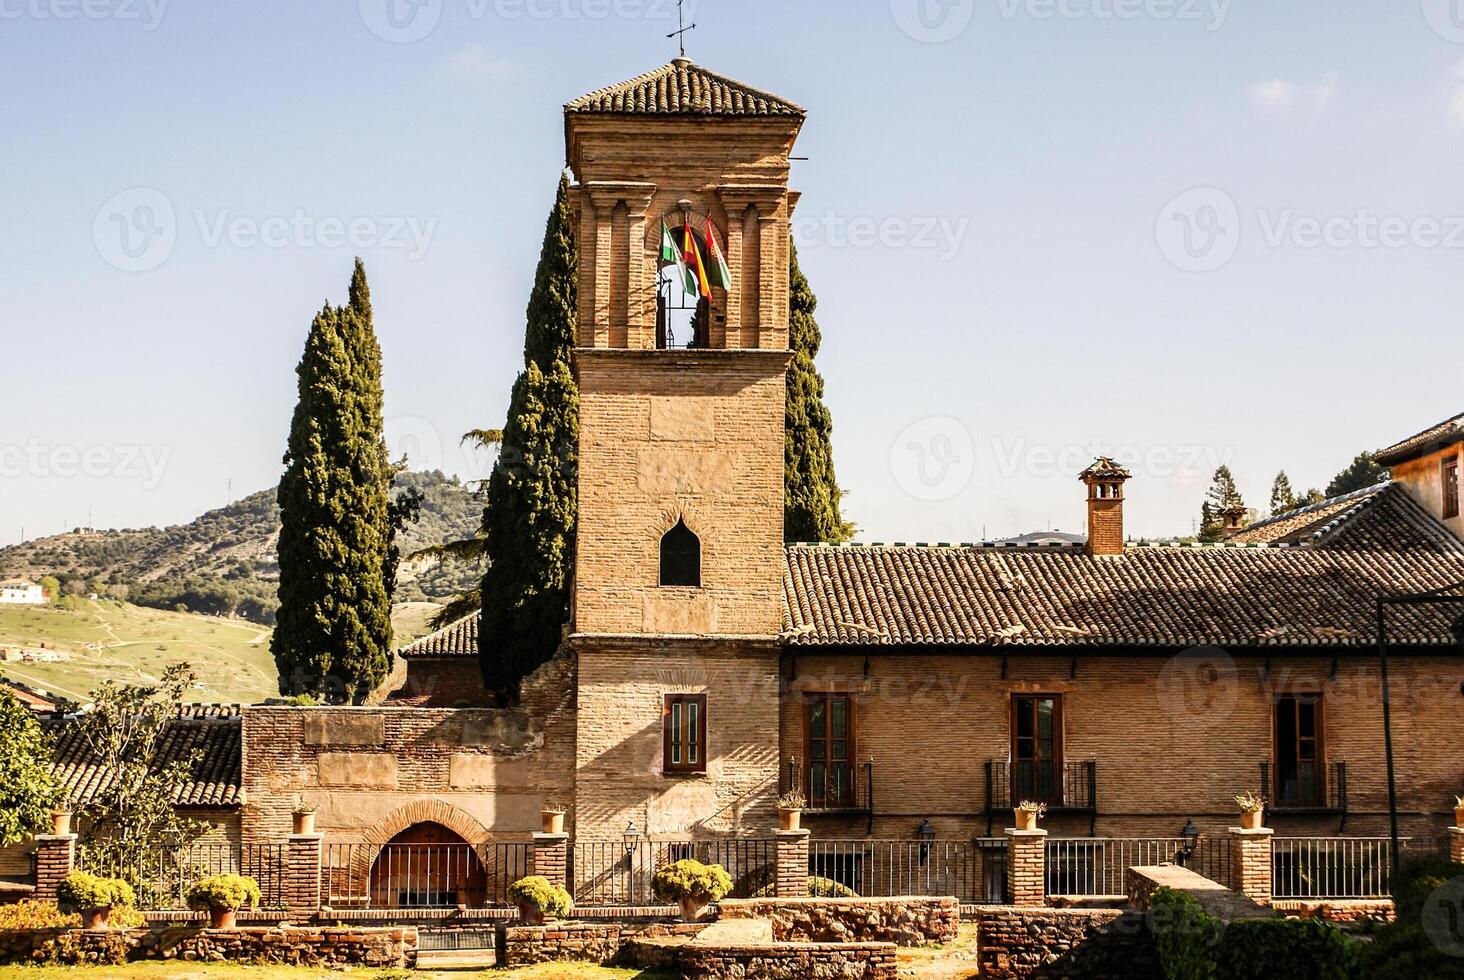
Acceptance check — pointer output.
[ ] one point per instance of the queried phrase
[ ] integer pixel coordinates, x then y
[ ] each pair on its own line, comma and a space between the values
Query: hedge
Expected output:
1194, 945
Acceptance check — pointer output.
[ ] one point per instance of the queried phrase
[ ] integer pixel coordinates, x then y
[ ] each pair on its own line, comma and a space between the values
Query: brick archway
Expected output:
429, 811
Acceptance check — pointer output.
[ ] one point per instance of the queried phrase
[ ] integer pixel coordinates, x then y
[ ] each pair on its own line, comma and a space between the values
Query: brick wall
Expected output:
444, 682
1093, 944
1170, 744
372, 772
902, 921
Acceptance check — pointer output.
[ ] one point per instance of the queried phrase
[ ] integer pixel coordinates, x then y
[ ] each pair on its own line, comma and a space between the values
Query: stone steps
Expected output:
737, 932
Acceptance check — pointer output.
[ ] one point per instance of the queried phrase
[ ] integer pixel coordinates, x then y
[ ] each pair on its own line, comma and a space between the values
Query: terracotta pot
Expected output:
530, 916
1026, 819
693, 909
304, 823
1252, 820
1459, 816
790, 819
223, 918
552, 822
96, 918
60, 822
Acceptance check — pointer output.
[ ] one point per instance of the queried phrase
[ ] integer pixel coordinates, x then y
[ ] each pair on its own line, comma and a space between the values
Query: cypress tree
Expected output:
333, 632
529, 516
811, 493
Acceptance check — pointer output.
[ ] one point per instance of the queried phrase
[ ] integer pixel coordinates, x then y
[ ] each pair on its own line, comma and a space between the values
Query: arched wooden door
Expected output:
427, 866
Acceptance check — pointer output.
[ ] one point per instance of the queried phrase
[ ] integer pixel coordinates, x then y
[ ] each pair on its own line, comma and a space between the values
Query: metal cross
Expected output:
680, 33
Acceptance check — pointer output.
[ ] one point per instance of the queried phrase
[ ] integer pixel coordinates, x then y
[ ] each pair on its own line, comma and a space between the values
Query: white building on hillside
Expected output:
21, 592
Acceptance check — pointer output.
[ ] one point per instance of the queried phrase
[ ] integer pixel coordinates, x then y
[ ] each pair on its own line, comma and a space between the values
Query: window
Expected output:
1299, 776
684, 725
1037, 749
830, 730
681, 557
1451, 487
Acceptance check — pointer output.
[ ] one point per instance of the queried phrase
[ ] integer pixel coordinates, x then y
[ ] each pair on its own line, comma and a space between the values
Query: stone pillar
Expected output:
1456, 845
1250, 863
55, 856
791, 880
551, 858
640, 290
752, 248
1027, 867
302, 877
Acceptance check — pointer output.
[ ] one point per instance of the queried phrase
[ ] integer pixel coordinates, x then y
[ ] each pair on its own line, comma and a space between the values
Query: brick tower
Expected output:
678, 572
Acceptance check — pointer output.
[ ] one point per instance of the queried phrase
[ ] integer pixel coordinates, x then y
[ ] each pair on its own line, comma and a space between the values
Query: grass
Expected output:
191, 971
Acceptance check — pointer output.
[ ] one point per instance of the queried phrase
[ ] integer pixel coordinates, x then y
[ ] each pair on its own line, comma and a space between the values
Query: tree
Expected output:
811, 493
27, 788
1282, 497
1223, 495
132, 814
1365, 471
333, 633
52, 587
529, 515
1312, 496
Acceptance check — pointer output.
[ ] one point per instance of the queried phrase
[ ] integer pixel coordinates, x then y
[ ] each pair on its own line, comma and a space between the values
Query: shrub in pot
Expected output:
551, 819
94, 897
303, 817
1028, 813
222, 896
691, 885
790, 810
538, 899
61, 819
1459, 811
1252, 811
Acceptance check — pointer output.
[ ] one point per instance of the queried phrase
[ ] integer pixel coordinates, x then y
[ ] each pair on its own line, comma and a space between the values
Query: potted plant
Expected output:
790, 809
1252, 810
691, 885
1459, 811
1028, 813
303, 816
61, 817
223, 896
538, 899
94, 897
551, 819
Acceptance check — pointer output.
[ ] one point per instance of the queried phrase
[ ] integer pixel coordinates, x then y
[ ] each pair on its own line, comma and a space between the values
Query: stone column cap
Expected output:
1457, 831
306, 838
550, 838
39, 838
792, 835
1258, 832
1020, 834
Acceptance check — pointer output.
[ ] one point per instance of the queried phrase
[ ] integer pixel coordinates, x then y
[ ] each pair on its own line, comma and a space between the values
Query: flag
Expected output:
671, 254
718, 272
696, 272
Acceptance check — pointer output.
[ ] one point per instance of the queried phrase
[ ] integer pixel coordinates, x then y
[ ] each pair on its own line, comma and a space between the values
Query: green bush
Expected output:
817, 888
1412, 947
539, 893
691, 880
232, 892
86, 891
1193, 945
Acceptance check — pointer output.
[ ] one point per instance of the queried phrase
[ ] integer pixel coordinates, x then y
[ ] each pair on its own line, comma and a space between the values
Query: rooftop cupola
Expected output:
1105, 480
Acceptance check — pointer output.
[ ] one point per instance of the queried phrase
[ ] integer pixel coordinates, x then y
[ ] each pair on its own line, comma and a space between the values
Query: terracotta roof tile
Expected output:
459, 639
1305, 523
1444, 434
684, 88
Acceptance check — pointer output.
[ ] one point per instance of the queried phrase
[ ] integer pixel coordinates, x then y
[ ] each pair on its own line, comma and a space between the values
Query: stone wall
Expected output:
584, 942
1140, 883
1099, 944
380, 948
826, 961
902, 921
369, 771
1342, 912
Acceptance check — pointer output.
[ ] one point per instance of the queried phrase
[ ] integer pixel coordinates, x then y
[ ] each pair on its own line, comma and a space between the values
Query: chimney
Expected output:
1232, 521
1105, 480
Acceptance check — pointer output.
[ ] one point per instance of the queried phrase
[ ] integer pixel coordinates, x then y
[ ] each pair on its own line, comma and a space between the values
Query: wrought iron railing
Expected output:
161, 876
1065, 786
604, 873
1330, 867
422, 876
833, 787
1307, 787
973, 871
1097, 865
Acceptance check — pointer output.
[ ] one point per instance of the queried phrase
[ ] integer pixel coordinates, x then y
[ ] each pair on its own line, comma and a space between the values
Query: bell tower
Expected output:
682, 225
682, 209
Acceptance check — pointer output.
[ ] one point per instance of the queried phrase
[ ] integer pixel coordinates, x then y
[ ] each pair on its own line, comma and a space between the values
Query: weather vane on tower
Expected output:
681, 29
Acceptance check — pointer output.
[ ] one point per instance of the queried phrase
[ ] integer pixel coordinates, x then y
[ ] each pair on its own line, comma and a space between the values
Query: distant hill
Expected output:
223, 563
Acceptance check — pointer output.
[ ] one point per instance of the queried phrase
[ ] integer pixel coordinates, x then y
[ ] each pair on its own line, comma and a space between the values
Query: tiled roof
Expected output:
1173, 596
212, 730
459, 639
684, 88
1445, 433
1306, 524
33, 698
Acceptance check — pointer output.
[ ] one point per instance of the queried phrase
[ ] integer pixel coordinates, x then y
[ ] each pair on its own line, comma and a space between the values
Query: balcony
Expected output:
1305, 788
1069, 787
834, 787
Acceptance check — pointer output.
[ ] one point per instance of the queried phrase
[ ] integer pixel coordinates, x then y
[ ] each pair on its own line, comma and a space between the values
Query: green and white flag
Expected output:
670, 253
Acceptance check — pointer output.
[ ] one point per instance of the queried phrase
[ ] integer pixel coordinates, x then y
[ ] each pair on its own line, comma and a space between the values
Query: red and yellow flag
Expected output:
694, 264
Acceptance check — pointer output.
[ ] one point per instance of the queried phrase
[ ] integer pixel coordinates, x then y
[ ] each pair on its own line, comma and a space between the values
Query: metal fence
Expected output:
605, 873
161, 876
1097, 865
1340, 867
420, 876
973, 871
